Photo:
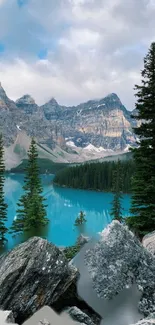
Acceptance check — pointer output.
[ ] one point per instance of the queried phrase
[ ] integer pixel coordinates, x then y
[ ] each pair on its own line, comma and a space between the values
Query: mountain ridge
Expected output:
90, 130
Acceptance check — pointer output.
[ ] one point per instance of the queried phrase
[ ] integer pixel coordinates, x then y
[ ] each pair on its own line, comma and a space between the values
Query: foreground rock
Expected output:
77, 315
118, 261
47, 316
6, 317
147, 321
149, 242
32, 275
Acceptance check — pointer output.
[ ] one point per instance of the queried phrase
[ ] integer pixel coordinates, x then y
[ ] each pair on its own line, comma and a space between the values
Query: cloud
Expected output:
2, 2
74, 50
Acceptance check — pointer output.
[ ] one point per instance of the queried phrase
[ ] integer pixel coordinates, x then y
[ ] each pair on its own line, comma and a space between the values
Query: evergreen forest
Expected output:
96, 176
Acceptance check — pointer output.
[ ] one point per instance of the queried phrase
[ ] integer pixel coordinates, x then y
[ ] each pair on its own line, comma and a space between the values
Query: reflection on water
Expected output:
63, 207
40, 232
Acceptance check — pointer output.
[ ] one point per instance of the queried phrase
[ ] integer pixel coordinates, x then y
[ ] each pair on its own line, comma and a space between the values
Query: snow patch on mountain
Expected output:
90, 147
101, 105
18, 127
70, 144
127, 148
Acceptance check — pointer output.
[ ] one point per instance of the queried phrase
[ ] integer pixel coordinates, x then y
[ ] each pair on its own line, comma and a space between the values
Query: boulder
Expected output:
117, 261
32, 275
72, 299
77, 315
149, 242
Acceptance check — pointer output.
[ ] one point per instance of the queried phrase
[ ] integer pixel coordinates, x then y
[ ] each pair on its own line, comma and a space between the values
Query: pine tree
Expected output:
3, 205
143, 199
31, 212
116, 210
80, 220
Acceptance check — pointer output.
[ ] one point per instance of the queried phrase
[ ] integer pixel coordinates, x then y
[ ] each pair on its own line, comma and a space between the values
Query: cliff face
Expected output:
97, 126
104, 123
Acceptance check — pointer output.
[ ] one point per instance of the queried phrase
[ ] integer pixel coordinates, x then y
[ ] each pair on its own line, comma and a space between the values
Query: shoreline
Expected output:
87, 189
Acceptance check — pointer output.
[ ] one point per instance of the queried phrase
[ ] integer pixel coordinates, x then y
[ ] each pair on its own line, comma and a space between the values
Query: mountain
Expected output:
27, 104
88, 131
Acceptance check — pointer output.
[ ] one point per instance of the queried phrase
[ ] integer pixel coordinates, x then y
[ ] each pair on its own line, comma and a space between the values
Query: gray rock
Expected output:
82, 240
77, 315
32, 275
47, 316
149, 242
117, 261
44, 322
6, 317
10, 317
147, 321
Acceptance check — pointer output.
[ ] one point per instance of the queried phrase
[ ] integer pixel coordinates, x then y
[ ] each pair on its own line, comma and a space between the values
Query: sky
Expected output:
74, 50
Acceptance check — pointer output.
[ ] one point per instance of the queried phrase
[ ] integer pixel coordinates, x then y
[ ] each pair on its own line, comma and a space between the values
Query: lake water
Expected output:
64, 206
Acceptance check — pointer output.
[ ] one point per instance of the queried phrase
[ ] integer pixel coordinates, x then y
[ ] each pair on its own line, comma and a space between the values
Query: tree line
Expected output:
96, 176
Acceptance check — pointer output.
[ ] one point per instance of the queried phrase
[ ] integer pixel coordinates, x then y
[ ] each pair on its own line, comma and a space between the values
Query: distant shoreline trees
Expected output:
143, 198
3, 205
96, 176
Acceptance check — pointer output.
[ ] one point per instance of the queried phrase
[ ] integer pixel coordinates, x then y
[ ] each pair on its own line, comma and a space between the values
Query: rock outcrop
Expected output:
32, 275
47, 316
116, 283
117, 262
6, 317
77, 315
149, 242
147, 321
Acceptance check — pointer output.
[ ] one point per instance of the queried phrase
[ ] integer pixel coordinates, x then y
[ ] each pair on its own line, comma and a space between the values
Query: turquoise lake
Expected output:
63, 207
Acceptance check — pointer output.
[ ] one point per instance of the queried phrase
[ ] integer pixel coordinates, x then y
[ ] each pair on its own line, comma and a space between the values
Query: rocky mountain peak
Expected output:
2, 93
113, 95
53, 101
113, 98
51, 109
26, 99
27, 104
5, 102
101, 126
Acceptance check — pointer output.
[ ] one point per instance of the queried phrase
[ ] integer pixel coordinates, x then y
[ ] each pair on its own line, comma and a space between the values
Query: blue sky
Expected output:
74, 50
21, 3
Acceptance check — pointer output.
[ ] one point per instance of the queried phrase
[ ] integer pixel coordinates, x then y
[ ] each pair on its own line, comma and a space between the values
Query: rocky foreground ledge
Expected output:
37, 274
119, 260
32, 275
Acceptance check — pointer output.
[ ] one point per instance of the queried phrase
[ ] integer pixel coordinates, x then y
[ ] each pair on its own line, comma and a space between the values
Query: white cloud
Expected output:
2, 1
81, 37
94, 47
19, 78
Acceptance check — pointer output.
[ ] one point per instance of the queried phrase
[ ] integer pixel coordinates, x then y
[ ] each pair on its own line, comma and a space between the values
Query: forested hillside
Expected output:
96, 176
